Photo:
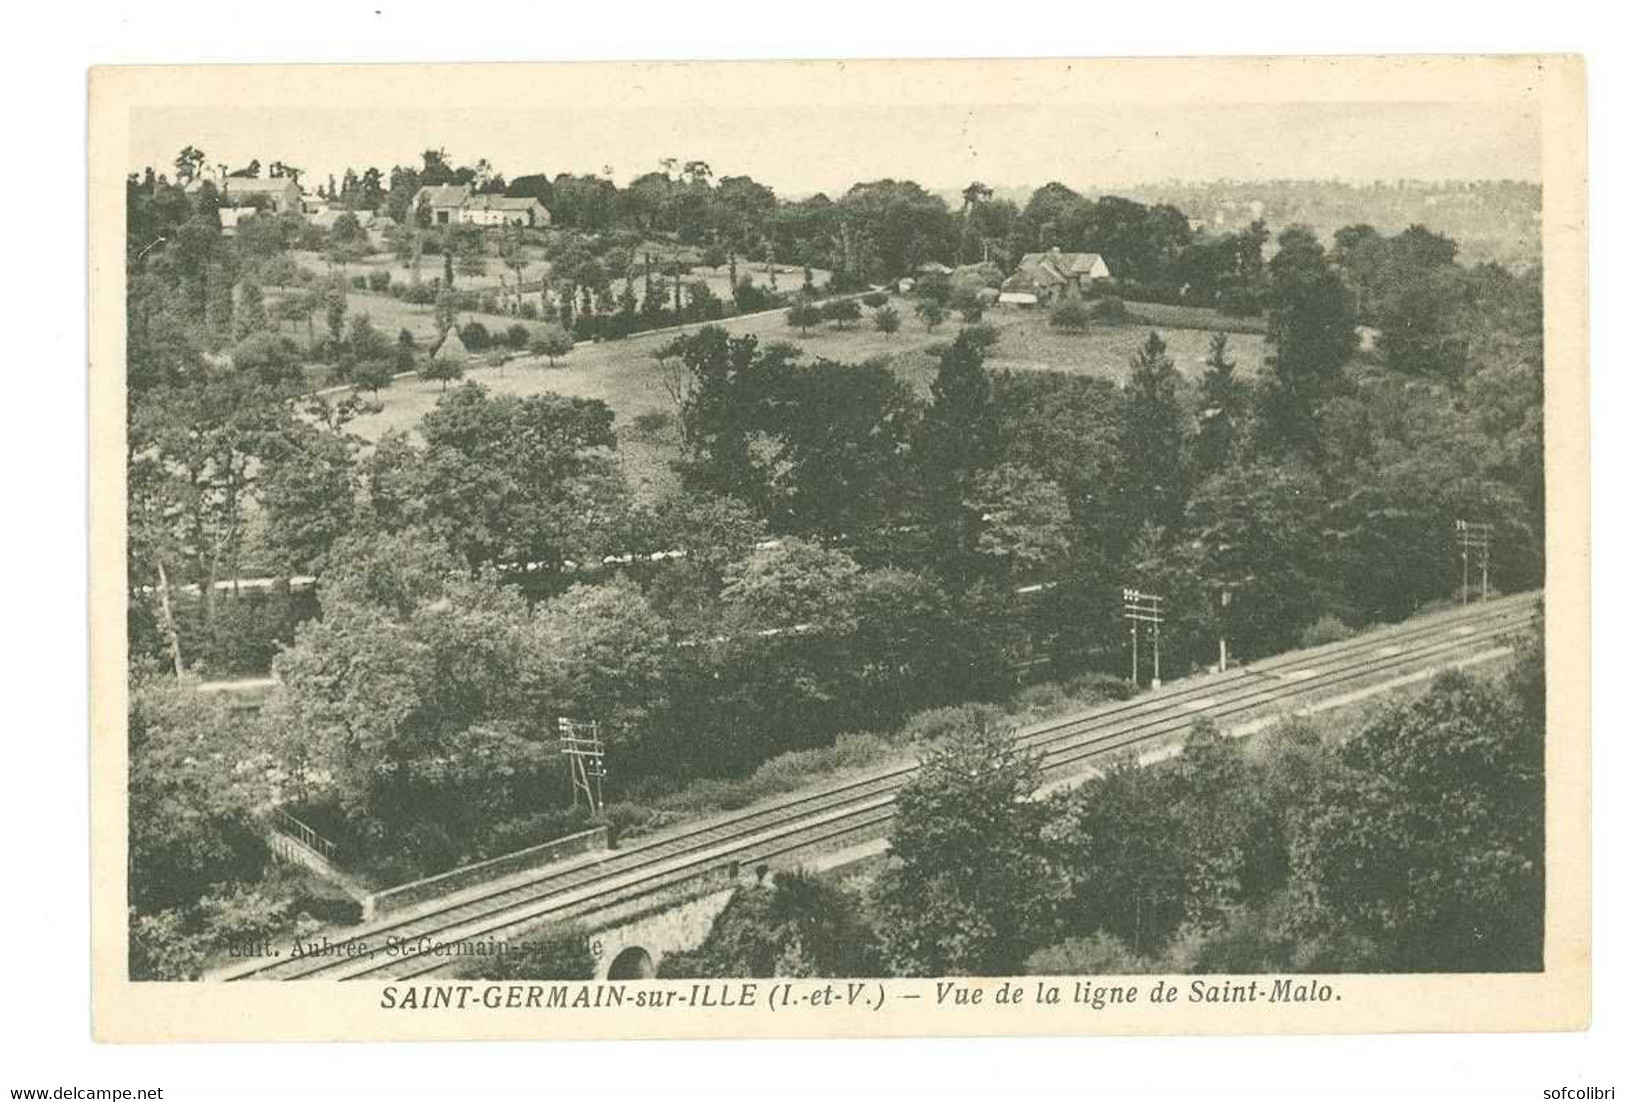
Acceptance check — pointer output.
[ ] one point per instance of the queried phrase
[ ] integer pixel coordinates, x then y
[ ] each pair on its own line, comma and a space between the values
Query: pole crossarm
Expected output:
581, 743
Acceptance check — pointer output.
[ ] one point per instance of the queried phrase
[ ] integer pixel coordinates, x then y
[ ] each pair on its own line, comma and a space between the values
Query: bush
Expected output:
981, 336
651, 424
749, 298
524, 831
518, 336
476, 337
843, 311
1110, 310
1327, 629
874, 300
887, 320
932, 313
1098, 687
803, 316
1041, 701
1070, 315
627, 820
941, 723
793, 769
417, 294
241, 916
379, 280
527, 310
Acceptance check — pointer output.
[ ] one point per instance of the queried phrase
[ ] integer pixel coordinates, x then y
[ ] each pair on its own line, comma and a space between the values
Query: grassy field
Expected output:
623, 373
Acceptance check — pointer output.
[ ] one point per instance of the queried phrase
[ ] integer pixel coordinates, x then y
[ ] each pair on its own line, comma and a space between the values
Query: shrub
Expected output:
417, 294
1041, 700
843, 311
379, 280
1070, 315
1327, 629
651, 424
940, 723
359, 282
874, 300
241, 916
476, 337
524, 831
932, 313
627, 820
790, 770
982, 337
842, 282
803, 316
527, 310
518, 336
1093, 687
887, 320
1110, 310
749, 298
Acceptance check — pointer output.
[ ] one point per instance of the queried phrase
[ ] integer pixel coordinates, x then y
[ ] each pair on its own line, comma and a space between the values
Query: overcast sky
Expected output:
798, 150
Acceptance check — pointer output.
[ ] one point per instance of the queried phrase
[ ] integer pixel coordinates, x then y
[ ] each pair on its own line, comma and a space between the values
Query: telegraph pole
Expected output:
580, 742
1472, 539
1144, 608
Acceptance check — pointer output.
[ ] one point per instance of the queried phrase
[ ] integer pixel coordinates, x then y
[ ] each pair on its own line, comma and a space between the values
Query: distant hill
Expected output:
1491, 220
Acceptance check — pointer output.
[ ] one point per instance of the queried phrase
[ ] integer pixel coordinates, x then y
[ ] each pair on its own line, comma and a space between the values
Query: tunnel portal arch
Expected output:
632, 963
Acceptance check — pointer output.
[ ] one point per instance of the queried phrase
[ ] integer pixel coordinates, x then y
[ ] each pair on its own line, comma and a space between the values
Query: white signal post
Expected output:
1144, 608
580, 742
1474, 539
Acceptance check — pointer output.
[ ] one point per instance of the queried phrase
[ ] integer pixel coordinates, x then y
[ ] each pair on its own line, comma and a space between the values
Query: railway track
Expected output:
858, 810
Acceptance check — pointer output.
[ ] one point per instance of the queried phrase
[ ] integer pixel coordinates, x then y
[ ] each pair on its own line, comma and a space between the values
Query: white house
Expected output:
499, 210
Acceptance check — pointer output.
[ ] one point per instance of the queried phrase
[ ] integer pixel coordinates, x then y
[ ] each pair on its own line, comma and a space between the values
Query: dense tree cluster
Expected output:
1415, 844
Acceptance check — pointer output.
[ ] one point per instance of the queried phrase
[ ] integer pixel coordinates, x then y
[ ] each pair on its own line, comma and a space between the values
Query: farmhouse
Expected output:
444, 202
453, 204
499, 210
1043, 278
278, 193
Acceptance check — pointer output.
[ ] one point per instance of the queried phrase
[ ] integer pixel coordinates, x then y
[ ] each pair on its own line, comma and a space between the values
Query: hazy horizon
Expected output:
803, 150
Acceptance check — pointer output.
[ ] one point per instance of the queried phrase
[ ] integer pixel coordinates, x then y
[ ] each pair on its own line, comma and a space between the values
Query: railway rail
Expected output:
857, 810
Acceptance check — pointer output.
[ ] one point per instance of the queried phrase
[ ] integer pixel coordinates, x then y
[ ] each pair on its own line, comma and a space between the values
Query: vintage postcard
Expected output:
839, 549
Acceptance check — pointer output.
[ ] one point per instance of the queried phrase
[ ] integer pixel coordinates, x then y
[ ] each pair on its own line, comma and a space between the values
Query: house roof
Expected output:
452, 348
243, 185
443, 195
1051, 268
256, 186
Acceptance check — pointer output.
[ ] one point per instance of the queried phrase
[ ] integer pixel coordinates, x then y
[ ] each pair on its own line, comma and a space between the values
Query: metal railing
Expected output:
286, 825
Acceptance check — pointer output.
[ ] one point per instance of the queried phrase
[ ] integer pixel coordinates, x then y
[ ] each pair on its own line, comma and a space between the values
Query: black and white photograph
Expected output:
921, 543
